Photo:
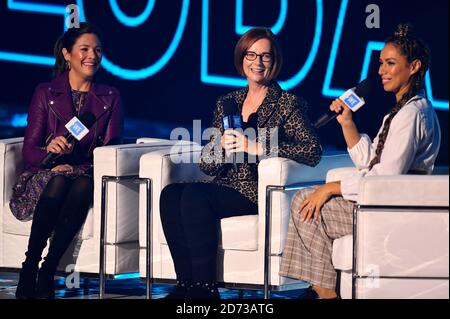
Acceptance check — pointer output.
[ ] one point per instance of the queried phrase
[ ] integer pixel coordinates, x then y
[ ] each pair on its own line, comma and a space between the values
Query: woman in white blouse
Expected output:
408, 142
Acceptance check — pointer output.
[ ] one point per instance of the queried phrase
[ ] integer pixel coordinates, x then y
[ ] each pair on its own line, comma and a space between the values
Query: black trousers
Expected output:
190, 215
61, 210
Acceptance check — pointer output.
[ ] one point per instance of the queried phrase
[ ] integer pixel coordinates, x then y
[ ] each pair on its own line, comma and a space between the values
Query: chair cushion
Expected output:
410, 190
340, 173
398, 243
237, 233
240, 232
342, 257
12, 225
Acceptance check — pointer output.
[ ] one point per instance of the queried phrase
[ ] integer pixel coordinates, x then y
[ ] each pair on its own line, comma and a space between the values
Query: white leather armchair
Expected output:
122, 246
400, 246
242, 245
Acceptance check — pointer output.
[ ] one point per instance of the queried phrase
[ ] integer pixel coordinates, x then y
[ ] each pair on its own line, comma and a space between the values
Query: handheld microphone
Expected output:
231, 119
77, 129
353, 98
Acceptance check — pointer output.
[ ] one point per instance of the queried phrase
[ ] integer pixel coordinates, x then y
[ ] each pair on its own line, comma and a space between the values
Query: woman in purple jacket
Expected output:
58, 196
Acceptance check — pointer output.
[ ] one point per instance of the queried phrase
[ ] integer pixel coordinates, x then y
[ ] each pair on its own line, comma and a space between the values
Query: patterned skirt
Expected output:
308, 250
28, 190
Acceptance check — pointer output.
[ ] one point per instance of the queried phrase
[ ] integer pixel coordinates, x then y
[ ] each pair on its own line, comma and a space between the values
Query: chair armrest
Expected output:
160, 141
283, 172
11, 166
122, 198
402, 226
338, 174
404, 190
164, 167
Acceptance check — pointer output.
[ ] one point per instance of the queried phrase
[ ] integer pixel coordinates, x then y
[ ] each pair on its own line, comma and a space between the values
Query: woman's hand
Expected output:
59, 145
346, 116
63, 168
234, 141
311, 206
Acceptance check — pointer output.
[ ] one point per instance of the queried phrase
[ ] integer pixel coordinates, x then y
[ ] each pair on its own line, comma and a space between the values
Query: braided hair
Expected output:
412, 48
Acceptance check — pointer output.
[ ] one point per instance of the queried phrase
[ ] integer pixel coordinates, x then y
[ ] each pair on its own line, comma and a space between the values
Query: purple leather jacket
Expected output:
52, 107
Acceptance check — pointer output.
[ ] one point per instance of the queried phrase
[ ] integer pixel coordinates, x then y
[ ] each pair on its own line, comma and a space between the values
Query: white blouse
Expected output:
412, 144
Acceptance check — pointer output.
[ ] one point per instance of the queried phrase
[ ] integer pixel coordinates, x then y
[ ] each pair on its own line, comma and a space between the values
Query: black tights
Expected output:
190, 215
61, 209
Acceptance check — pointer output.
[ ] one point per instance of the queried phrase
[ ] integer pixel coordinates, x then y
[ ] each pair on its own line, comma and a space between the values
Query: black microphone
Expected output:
353, 98
231, 119
77, 129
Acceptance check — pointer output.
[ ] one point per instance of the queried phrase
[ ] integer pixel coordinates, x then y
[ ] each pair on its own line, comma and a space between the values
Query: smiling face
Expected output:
396, 71
258, 70
85, 56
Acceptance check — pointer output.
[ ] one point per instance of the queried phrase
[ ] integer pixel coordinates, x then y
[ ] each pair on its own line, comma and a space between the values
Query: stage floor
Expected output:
122, 289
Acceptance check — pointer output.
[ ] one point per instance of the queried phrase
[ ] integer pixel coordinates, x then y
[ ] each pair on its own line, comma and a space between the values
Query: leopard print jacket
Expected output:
297, 140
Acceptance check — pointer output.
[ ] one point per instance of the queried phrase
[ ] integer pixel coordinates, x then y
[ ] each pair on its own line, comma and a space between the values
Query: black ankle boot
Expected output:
180, 290
44, 219
308, 294
203, 290
45, 288
26, 287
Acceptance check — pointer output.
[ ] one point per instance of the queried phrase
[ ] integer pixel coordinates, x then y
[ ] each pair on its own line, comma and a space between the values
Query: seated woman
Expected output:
58, 197
190, 212
408, 142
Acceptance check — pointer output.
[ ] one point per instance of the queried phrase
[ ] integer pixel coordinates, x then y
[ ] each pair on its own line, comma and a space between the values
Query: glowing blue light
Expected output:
144, 73
27, 58
241, 28
298, 78
326, 88
206, 77
106, 63
328, 91
371, 46
378, 46
35, 7
439, 104
129, 74
19, 120
132, 21
131, 275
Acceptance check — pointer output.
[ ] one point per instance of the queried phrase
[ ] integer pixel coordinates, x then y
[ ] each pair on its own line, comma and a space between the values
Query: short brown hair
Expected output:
247, 40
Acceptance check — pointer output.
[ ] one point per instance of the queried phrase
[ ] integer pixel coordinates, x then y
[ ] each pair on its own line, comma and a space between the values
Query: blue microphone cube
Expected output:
352, 100
237, 121
76, 128
232, 122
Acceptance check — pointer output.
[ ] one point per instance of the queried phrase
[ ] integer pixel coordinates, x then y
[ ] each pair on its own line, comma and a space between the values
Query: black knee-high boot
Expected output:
73, 214
44, 220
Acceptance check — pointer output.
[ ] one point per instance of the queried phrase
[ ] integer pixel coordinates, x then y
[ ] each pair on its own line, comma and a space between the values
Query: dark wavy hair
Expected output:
67, 40
412, 48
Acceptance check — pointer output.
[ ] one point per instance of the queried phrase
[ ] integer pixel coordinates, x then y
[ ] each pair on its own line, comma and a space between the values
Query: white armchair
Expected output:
242, 245
399, 247
122, 247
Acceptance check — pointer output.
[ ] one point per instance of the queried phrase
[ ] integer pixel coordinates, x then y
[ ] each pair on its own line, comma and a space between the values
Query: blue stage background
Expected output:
171, 59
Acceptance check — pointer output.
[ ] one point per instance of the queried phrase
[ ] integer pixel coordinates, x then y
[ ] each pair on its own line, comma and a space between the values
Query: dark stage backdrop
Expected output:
171, 59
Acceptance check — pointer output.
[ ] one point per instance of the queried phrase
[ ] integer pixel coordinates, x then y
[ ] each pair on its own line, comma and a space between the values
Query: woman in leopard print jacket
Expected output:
190, 212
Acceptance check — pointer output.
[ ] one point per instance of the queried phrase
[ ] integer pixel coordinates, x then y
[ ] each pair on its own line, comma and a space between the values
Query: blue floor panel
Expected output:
132, 288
